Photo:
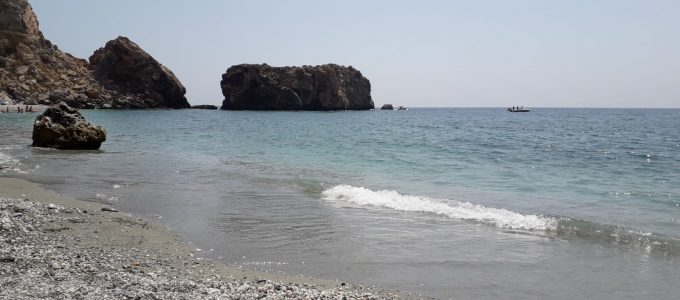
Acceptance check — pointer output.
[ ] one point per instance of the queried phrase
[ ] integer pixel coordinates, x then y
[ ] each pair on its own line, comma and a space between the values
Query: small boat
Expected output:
402, 108
518, 109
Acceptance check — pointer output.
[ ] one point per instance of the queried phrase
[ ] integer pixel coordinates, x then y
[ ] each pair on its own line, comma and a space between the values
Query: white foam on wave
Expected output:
6, 159
501, 218
8, 163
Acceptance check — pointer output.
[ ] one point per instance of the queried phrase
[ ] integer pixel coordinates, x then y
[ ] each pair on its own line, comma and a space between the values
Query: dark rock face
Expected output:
33, 70
63, 127
204, 106
387, 107
124, 67
325, 87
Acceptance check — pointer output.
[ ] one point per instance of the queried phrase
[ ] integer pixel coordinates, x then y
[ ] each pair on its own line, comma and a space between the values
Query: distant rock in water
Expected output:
204, 106
63, 127
387, 107
124, 67
33, 70
325, 87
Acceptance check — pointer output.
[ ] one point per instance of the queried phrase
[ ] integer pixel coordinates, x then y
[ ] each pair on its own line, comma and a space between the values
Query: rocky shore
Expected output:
61, 248
119, 75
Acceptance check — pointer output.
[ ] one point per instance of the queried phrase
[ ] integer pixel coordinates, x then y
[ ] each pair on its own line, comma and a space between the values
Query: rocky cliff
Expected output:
124, 67
325, 87
35, 71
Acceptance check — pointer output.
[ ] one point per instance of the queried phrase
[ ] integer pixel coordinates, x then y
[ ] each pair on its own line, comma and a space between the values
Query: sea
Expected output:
463, 203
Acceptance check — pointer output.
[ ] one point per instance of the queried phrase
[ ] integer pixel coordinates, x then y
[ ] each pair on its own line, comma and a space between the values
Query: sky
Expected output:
541, 53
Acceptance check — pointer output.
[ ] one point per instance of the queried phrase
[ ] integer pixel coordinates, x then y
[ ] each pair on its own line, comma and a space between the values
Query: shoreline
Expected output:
114, 255
38, 108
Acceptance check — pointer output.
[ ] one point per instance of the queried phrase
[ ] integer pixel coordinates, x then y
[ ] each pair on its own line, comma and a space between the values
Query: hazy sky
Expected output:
591, 53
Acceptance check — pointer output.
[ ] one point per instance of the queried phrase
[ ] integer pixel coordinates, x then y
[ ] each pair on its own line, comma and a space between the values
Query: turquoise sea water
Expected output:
482, 203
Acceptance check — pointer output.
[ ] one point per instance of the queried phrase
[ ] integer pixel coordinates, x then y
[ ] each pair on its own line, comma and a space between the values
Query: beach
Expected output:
13, 108
54, 246
442, 203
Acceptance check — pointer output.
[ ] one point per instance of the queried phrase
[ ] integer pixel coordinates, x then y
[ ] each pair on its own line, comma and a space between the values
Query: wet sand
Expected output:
56, 246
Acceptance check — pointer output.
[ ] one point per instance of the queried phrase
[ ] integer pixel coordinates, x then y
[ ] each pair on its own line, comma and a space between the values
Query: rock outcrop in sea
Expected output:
324, 88
204, 106
387, 107
120, 75
63, 127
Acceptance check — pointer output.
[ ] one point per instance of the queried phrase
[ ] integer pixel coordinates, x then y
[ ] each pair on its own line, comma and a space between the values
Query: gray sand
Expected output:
57, 247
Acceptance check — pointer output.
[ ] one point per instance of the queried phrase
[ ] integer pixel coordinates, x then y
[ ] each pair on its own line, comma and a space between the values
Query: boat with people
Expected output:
518, 109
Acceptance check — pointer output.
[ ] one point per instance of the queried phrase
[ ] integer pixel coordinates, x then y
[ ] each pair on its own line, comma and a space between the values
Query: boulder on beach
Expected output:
326, 87
63, 127
387, 107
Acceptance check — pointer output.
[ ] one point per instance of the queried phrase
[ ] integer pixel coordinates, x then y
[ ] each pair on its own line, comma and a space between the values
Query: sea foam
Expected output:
501, 218
7, 163
5, 159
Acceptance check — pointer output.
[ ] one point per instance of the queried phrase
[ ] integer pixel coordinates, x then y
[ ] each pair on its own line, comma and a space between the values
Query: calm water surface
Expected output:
468, 203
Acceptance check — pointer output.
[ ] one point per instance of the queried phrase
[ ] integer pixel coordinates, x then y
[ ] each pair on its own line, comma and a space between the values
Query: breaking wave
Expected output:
501, 218
552, 226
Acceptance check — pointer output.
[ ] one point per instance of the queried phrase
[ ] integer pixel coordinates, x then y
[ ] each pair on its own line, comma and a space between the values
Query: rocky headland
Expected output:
119, 75
322, 88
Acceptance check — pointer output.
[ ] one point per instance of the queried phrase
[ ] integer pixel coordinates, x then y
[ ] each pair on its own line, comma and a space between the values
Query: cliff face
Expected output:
35, 71
124, 67
325, 87
18, 17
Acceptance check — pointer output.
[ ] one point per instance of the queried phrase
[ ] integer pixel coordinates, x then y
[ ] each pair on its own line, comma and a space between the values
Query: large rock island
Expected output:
325, 87
120, 75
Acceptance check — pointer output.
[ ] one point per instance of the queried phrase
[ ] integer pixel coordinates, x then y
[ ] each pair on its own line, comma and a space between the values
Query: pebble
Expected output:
109, 209
7, 259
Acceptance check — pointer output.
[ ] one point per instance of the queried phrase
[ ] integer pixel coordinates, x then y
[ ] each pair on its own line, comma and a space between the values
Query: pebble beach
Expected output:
55, 247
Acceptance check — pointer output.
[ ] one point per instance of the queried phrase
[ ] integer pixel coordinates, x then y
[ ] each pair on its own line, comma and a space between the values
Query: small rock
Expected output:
22, 70
109, 209
7, 259
51, 206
